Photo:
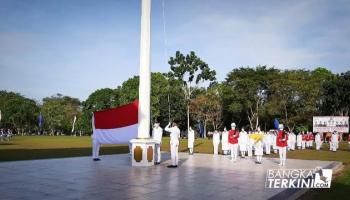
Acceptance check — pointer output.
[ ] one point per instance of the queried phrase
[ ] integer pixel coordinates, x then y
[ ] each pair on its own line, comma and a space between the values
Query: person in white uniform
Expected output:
250, 145
190, 141
259, 149
157, 137
318, 141
267, 143
334, 141
174, 143
243, 142
224, 142
216, 142
299, 140
95, 149
294, 140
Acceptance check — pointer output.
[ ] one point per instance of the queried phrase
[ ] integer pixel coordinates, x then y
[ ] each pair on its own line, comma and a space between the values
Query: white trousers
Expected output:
267, 148
250, 151
303, 144
318, 145
234, 151
282, 151
95, 149
334, 146
174, 150
157, 153
216, 149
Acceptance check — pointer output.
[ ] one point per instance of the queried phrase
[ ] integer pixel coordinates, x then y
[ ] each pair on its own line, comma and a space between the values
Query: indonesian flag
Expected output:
116, 125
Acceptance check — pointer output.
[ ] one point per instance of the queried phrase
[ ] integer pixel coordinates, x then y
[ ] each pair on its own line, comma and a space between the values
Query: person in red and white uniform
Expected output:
282, 139
233, 136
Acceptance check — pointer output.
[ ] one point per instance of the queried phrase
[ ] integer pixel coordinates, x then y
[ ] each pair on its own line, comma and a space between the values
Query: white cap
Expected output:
280, 126
233, 125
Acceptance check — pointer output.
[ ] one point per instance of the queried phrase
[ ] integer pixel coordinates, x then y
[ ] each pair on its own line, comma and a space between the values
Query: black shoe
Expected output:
96, 159
172, 166
157, 163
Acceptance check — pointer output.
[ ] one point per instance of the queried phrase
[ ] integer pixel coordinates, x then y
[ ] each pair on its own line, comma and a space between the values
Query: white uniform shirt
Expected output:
157, 134
334, 138
174, 134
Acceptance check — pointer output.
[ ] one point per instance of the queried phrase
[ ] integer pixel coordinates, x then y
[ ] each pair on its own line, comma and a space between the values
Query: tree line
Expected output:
189, 94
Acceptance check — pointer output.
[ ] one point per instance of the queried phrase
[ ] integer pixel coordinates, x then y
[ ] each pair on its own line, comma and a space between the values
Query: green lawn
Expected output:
40, 147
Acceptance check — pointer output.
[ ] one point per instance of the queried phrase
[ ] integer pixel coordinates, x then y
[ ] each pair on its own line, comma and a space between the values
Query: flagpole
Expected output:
143, 146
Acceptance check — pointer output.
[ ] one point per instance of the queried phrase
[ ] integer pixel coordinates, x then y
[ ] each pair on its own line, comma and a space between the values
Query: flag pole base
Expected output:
142, 152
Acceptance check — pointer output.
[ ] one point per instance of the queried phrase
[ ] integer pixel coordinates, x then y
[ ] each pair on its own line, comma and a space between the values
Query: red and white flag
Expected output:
116, 125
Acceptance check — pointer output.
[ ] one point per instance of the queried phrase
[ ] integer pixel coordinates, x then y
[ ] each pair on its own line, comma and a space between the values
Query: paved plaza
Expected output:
200, 176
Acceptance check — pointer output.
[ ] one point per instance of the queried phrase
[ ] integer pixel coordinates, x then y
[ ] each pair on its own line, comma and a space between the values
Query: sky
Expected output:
75, 47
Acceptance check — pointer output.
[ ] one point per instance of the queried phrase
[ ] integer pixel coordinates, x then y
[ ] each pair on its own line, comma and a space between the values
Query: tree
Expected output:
191, 70
59, 111
18, 112
336, 97
208, 108
246, 91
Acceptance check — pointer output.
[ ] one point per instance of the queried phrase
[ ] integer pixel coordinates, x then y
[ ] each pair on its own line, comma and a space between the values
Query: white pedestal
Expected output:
142, 152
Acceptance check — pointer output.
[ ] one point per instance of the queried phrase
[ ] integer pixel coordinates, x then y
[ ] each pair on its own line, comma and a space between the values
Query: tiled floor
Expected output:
200, 176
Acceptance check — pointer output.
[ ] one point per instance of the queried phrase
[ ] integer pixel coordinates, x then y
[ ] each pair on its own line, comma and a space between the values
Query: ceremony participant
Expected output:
311, 140
224, 142
299, 140
190, 141
157, 136
233, 136
259, 148
174, 143
243, 142
216, 142
318, 141
349, 140
95, 148
294, 139
250, 146
334, 141
303, 140
267, 143
274, 140
307, 140
282, 139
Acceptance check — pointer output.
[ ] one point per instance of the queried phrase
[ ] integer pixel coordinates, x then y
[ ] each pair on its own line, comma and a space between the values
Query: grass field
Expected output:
41, 147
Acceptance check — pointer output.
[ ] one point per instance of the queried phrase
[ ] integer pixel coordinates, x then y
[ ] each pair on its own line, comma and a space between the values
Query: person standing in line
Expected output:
274, 145
190, 141
267, 142
233, 136
259, 148
349, 140
282, 139
303, 141
334, 141
318, 141
157, 136
216, 142
243, 142
224, 142
250, 145
299, 140
174, 143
